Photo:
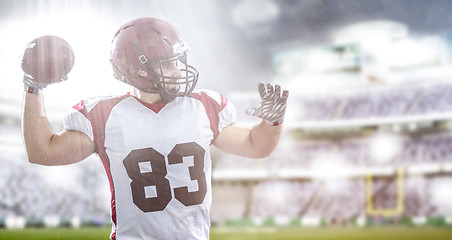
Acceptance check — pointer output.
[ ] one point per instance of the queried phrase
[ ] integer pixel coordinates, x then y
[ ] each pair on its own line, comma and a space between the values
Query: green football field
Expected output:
386, 233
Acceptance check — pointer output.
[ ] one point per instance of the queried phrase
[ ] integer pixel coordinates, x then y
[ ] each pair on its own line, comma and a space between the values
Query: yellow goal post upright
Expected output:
386, 212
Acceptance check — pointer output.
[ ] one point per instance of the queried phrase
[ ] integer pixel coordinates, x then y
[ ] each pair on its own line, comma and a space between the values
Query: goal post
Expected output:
386, 212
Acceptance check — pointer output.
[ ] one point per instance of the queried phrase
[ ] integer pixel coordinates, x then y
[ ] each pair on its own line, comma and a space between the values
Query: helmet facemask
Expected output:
169, 86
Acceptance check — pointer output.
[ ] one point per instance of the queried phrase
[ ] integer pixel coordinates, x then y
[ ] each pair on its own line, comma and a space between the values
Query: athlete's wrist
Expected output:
32, 89
272, 123
31, 86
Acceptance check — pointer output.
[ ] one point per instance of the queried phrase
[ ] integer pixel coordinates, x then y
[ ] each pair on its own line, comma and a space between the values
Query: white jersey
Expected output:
157, 160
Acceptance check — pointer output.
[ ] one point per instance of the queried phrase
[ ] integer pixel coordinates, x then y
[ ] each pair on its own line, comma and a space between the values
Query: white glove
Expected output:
273, 104
31, 86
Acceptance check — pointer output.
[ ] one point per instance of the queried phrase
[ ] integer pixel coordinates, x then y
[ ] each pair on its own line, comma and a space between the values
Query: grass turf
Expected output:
373, 233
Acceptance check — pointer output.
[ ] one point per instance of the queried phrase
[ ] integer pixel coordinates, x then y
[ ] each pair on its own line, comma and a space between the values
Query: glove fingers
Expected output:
276, 94
270, 89
285, 94
262, 90
278, 91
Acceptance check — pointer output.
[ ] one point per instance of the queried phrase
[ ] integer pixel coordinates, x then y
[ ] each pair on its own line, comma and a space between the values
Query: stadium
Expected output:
366, 151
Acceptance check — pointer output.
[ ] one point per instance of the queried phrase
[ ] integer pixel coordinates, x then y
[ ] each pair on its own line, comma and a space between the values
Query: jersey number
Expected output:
156, 176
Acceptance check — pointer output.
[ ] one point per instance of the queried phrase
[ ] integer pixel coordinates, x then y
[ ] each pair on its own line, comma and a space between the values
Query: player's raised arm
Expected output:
48, 60
262, 139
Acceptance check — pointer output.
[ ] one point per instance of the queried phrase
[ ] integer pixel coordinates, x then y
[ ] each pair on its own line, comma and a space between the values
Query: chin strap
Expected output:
272, 108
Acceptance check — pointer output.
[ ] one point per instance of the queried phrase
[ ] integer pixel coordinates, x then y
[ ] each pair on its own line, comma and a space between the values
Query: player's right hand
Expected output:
32, 86
46, 60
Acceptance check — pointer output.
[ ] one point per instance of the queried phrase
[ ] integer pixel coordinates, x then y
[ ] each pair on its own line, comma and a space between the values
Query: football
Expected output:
48, 59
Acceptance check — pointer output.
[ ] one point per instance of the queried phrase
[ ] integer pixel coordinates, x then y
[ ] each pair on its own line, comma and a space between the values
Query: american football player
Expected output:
154, 142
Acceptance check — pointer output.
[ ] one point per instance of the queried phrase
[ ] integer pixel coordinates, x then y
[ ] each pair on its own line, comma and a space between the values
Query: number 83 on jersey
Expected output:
157, 177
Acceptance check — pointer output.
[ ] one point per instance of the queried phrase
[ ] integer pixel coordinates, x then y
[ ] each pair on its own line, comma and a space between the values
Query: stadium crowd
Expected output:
316, 192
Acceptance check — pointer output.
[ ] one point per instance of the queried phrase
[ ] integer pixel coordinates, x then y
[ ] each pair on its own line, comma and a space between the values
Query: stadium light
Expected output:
369, 31
384, 146
318, 60
415, 52
329, 166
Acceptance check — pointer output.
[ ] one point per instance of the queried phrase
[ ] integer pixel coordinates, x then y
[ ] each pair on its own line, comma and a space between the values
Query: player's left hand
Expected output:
273, 104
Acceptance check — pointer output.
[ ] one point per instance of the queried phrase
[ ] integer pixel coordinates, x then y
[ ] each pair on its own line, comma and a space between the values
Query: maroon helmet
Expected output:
142, 48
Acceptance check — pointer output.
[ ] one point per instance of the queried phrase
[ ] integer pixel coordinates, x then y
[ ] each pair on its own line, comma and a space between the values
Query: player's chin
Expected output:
172, 88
